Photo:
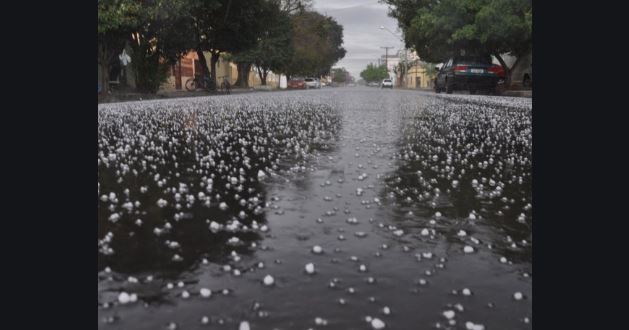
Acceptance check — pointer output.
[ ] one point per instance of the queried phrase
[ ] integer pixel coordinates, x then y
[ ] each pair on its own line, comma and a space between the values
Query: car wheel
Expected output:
449, 88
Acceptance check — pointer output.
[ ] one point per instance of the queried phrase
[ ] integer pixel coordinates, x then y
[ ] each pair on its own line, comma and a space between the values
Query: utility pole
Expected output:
386, 57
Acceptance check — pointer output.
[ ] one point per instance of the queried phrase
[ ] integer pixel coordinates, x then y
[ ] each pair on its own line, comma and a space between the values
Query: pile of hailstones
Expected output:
179, 155
476, 153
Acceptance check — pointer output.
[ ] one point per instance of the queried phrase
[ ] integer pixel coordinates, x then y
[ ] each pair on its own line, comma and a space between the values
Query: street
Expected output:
316, 209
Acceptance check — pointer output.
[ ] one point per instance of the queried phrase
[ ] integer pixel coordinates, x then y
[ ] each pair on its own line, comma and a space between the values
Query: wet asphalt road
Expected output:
420, 205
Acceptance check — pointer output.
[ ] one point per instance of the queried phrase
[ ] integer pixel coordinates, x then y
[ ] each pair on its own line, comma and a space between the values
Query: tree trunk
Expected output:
506, 68
203, 62
103, 62
262, 74
243, 74
104, 85
177, 70
213, 60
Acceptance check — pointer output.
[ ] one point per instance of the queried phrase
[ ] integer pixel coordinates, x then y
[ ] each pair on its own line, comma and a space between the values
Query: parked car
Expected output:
296, 83
472, 73
387, 83
312, 83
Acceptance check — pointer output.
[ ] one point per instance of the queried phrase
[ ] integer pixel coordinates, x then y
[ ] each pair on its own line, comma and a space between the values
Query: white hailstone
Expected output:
317, 249
171, 325
223, 206
362, 268
518, 296
468, 249
124, 298
449, 314
133, 297
180, 284
398, 232
205, 320
268, 280
236, 272
461, 233
503, 260
472, 326
244, 325
386, 310
205, 292
359, 192
425, 232
466, 292
177, 257
185, 294
107, 270
472, 216
342, 301
114, 217
214, 226
321, 321
310, 268
264, 228
377, 324
170, 286
161, 202
138, 222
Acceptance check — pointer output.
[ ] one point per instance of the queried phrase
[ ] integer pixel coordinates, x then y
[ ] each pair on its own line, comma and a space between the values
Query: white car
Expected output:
312, 83
387, 83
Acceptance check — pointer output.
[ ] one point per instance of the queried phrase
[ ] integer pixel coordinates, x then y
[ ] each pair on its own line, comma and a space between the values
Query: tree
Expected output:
117, 19
340, 75
273, 47
293, 6
160, 41
374, 73
317, 43
224, 26
438, 29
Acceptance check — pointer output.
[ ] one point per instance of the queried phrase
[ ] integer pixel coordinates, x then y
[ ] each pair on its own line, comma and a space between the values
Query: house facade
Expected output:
416, 76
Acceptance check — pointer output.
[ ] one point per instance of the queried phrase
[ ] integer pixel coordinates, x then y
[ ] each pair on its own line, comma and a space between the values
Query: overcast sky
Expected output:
362, 36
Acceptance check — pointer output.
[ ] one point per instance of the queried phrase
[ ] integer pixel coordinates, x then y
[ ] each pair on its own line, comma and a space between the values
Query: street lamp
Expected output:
382, 27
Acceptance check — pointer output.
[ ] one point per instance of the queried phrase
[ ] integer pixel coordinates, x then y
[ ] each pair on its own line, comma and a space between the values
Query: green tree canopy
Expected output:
117, 19
438, 29
374, 73
273, 48
317, 43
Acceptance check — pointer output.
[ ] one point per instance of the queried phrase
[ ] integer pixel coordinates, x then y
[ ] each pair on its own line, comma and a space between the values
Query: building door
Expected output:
418, 82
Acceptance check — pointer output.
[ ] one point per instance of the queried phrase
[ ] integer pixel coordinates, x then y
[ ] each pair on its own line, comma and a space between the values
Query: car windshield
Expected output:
309, 79
387, 80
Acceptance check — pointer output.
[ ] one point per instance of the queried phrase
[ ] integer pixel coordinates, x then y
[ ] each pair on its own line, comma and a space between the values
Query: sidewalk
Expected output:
134, 96
518, 93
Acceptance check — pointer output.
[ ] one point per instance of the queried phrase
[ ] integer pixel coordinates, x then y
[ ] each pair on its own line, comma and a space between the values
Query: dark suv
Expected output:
471, 73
